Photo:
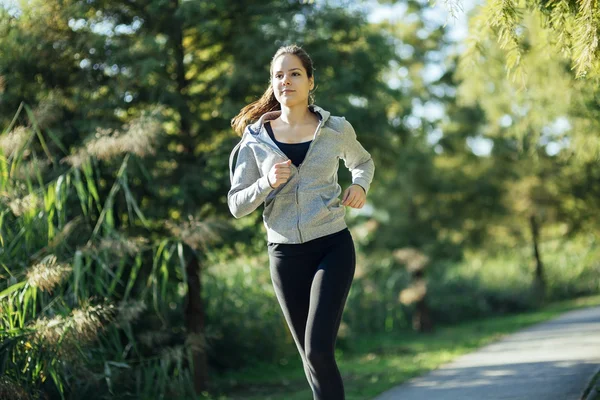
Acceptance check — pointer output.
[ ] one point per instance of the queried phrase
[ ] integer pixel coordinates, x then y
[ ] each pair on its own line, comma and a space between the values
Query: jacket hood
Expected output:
256, 127
257, 132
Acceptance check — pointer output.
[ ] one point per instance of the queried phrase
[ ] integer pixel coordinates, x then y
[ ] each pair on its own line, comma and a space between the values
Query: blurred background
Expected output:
123, 274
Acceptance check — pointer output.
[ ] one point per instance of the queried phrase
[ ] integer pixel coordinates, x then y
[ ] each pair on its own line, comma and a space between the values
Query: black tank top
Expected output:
295, 151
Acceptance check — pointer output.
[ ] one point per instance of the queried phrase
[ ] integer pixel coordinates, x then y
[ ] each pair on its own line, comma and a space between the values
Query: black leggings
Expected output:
311, 281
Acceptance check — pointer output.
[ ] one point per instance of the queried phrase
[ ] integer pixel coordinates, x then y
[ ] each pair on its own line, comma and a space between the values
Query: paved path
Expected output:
552, 360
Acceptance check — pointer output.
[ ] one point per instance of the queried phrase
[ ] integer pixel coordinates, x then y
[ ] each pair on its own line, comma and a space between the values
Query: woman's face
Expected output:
291, 84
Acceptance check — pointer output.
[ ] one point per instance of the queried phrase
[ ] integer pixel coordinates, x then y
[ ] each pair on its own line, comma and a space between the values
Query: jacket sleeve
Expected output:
357, 159
248, 188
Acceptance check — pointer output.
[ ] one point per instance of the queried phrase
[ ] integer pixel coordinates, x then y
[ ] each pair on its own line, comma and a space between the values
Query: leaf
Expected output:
12, 288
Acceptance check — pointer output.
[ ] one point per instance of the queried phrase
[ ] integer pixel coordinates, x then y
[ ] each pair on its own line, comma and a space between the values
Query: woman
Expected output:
288, 159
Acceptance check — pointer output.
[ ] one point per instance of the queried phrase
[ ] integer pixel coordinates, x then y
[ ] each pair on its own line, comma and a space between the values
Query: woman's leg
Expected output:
311, 281
328, 295
292, 270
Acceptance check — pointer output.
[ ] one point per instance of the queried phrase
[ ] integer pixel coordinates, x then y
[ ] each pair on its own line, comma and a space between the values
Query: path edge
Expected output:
592, 389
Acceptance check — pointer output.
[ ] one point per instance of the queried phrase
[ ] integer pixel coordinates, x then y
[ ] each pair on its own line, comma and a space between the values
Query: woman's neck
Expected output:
295, 115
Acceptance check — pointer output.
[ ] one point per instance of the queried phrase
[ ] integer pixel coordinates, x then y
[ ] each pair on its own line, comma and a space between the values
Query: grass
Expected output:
374, 364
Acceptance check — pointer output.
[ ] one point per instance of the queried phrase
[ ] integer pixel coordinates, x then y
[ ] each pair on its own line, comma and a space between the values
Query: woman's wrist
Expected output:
360, 187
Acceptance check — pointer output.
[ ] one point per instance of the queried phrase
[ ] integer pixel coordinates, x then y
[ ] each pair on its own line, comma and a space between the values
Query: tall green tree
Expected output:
570, 29
542, 131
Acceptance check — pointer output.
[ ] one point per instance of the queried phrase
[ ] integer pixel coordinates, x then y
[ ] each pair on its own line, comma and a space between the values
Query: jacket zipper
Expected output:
297, 168
298, 208
311, 144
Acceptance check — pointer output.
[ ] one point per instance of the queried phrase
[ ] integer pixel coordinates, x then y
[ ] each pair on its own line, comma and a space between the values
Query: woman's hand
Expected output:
354, 196
279, 174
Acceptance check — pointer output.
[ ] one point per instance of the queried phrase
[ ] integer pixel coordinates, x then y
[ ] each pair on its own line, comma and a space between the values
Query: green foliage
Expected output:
245, 322
69, 272
569, 28
540, 130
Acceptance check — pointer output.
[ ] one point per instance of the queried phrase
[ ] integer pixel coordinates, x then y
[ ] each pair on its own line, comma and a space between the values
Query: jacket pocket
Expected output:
334, 208
333, 204
281, 214
313, 209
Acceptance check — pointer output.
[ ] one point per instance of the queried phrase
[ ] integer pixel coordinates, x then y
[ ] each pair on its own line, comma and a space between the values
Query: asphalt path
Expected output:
553, 360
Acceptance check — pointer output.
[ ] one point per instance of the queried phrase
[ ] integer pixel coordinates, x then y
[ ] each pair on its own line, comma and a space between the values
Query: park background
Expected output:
124, 276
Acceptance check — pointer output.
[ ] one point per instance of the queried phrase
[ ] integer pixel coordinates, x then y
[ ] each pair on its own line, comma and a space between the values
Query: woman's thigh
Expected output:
329, 291
292, 272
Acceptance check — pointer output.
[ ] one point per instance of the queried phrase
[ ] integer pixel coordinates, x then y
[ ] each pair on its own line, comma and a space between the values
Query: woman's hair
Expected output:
268, 102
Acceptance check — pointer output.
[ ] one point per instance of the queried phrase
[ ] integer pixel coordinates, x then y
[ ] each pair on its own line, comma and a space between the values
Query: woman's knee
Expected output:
319, 358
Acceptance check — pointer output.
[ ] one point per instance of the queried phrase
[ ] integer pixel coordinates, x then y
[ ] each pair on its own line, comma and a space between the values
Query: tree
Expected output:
571, 29
540, 130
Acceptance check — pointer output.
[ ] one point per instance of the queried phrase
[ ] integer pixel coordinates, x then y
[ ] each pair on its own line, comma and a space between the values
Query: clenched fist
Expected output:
279, 174
354, 196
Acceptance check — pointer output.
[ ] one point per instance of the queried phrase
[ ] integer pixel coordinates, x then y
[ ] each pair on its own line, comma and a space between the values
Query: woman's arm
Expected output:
357, 159
248, 188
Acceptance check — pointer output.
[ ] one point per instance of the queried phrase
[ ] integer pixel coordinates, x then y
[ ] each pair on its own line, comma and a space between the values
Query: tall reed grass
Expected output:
76, 287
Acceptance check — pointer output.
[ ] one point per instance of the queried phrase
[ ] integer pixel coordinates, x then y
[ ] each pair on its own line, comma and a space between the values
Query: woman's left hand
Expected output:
354, 196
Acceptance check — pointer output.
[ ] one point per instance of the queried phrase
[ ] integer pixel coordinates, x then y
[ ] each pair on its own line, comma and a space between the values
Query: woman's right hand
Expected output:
279, 174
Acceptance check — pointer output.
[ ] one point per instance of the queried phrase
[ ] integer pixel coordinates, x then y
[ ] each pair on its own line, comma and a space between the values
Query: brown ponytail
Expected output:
268, 102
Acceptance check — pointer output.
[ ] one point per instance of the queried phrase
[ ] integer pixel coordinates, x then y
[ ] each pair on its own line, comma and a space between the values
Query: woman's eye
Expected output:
295, 74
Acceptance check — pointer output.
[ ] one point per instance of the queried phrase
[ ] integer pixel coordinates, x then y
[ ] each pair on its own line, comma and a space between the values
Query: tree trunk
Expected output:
194, 310
422, 318
194, 322
182, 85
539, 280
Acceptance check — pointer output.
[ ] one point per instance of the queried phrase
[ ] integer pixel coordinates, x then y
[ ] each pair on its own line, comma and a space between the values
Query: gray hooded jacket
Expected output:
307, 206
